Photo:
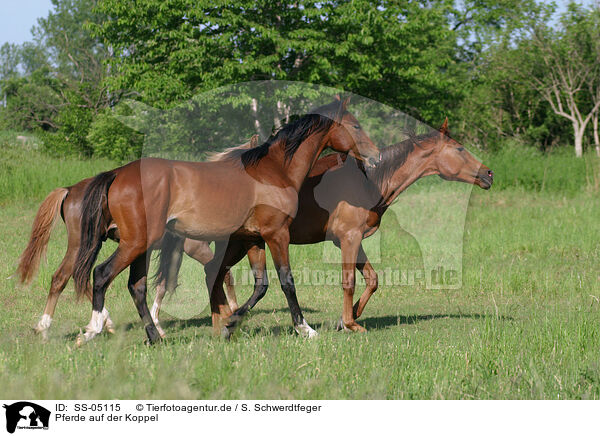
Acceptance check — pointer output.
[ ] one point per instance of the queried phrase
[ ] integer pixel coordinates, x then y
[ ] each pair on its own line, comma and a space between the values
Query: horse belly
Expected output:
208, 223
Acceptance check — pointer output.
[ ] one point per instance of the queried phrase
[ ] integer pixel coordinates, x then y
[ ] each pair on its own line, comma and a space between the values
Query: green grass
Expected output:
26, 173
523, 167
524, 325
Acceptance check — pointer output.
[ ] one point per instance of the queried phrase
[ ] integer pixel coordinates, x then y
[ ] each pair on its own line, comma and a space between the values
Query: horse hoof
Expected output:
305, 330
43, 333
351, 328
151, 342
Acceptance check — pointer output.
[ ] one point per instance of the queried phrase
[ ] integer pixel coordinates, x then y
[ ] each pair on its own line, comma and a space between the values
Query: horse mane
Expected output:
394, 156
226, 154
289, 136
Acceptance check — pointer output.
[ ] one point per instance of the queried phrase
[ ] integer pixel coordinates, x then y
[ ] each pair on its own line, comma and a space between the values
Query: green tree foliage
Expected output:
538, 81
57, 83
482, 63
392, 51
110, 138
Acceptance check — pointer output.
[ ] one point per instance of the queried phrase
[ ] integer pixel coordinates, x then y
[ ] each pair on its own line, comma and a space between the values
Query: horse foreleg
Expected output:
137, 285
169, 276
350, 245
370, 275
227, 254
201, 252
161, 290
230, 292
279, 246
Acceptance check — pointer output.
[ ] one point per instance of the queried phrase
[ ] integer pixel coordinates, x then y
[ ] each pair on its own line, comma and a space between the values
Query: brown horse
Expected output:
67, 201
353, 207
251, 195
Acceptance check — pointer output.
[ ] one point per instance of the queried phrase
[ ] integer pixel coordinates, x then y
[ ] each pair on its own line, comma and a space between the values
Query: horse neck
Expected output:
304, 158
413, 168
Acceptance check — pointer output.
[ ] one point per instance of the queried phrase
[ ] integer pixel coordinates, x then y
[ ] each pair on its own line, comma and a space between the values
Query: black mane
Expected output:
291, 135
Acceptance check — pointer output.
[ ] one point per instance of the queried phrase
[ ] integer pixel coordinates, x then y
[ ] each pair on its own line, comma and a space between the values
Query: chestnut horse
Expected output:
250, 195
353, 208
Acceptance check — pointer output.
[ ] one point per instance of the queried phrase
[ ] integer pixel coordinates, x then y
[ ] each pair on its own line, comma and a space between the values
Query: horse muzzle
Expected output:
485, 178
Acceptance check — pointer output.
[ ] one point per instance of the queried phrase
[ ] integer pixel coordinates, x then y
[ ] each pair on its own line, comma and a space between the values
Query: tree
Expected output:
58, 84
395, 52
570, 65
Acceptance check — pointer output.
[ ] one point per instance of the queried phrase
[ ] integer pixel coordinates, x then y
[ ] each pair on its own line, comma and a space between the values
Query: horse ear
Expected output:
345, 103
444, 129
337, 97
254, 141
341, 108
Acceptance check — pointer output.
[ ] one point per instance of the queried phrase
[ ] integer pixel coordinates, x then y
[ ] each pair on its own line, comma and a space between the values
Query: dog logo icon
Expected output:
26, 415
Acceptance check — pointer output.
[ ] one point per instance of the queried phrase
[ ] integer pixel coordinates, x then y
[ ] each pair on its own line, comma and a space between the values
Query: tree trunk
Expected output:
257, 125
578, 140
596, 136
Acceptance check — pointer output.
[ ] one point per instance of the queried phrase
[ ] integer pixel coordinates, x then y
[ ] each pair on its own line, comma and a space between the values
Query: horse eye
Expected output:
460, 148
357, 126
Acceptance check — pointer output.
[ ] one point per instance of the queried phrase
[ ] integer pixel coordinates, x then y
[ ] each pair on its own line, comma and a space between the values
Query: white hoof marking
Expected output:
305, 330
93, 328
108, 323
44, 323
154, 312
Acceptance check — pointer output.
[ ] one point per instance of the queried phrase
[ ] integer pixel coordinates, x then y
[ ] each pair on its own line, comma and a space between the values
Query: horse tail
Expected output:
44, 221
169, 261
93, 225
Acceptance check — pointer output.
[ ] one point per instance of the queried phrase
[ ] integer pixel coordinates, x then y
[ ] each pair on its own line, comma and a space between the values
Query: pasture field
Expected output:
524, 325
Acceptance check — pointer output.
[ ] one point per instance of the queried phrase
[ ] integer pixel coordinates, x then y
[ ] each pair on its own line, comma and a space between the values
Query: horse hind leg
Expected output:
103, 275
138, 289
59, 281
256, 256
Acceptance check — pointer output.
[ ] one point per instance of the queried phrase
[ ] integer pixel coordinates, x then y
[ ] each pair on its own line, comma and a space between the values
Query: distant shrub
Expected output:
71, 137
110, 138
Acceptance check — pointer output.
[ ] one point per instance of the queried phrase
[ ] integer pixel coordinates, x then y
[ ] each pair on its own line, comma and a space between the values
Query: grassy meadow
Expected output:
524, 325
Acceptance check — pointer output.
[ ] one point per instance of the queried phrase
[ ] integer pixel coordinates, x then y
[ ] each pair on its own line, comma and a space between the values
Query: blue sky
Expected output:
19, 16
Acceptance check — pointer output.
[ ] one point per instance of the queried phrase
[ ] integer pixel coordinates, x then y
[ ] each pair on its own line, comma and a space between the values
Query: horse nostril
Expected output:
490, 173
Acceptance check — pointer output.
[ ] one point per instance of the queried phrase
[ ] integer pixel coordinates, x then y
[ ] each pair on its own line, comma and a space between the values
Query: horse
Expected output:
355, 204
68, 201
252, 194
